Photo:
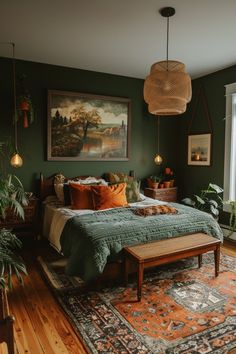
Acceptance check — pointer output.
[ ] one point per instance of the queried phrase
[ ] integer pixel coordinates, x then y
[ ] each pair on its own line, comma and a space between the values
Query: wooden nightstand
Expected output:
164, 194
28, 226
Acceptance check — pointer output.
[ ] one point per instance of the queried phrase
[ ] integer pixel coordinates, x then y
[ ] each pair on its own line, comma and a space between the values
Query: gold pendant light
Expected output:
158, 159
167, 89
16, 160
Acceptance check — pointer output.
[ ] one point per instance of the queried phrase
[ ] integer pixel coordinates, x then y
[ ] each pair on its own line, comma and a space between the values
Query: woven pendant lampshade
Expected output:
167, 89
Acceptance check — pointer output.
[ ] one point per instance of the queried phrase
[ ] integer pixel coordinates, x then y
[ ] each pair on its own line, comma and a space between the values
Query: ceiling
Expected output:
121, 37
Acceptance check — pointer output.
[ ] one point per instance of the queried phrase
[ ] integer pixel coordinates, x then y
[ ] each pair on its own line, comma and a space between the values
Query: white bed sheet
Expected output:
56, 216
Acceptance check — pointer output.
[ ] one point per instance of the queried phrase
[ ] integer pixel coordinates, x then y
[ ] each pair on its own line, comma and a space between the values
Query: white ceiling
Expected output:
121, 37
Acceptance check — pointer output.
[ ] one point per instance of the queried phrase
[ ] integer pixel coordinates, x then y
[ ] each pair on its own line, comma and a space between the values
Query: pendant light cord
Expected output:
167, 44
14, 96
158, 128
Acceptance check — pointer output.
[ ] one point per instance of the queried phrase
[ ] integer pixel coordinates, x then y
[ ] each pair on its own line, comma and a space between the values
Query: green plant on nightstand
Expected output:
153, 181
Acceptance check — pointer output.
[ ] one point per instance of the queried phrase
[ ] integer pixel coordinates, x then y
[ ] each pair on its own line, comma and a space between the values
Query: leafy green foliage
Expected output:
10, 263
232, 219
12, 197
210, 200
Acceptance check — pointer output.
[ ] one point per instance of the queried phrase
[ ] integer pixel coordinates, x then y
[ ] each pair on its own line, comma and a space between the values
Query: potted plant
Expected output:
210, 200
12, 199
153, 181
232, 219
25, 109
168, 178
24, 103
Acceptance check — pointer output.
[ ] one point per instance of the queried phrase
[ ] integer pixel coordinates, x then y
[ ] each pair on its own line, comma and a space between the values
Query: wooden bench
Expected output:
170, 250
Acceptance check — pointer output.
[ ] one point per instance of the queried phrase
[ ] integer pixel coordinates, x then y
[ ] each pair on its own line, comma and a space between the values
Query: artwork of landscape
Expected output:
199, 149
87, 127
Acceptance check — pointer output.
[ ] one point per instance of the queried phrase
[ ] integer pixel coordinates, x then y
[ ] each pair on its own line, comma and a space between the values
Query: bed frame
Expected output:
113, 270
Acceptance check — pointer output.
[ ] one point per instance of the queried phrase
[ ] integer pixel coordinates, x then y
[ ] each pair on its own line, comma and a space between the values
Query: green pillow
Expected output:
132, 189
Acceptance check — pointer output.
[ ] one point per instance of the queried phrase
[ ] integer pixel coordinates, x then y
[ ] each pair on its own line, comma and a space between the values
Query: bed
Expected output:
91, 239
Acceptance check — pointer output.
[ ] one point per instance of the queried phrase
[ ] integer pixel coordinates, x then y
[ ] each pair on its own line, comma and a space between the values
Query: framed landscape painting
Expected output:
199, 149
83, 127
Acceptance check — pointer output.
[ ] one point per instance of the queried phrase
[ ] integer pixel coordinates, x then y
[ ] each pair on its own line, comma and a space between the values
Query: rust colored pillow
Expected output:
105, 197
81, 196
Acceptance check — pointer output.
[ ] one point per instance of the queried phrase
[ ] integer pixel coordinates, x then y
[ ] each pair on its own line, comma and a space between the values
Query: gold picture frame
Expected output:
199, 149
87, 127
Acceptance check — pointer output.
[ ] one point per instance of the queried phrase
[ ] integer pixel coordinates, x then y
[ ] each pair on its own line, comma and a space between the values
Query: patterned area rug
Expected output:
183, 309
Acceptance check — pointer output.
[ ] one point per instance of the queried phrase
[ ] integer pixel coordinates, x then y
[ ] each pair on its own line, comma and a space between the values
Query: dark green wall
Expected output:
194, 178
33, 141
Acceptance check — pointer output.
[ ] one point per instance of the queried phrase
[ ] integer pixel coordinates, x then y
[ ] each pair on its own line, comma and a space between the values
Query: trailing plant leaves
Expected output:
199, 199
209, 200
213, 202
214, 211
216, 188
188, 201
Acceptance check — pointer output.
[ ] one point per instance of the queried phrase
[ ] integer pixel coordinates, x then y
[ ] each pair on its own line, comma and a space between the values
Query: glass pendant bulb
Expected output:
158, 159
16, 160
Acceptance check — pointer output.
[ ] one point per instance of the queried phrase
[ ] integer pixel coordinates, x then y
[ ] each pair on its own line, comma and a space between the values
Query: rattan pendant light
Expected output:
167, 89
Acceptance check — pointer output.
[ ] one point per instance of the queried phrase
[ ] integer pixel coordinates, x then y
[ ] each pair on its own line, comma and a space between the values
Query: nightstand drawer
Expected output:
164, 194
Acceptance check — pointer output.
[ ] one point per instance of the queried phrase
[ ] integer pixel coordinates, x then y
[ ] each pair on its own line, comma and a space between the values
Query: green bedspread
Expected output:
89, 240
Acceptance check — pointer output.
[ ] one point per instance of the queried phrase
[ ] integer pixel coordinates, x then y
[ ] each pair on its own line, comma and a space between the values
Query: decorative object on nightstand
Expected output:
153, 181
26, 226
164, 194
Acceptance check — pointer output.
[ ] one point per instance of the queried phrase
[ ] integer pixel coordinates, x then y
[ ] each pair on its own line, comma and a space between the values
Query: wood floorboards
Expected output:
41, 326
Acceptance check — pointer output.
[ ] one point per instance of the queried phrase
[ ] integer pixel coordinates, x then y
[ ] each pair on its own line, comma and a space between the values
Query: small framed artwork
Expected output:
199, 149
85, 127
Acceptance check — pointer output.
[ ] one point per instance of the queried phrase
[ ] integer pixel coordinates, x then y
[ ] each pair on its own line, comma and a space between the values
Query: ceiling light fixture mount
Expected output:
167, 89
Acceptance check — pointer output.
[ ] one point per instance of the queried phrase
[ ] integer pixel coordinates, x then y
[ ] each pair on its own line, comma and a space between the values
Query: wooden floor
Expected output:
41, 326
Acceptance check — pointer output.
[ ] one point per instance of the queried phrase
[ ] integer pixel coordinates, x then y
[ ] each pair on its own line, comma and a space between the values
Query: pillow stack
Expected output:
90, 193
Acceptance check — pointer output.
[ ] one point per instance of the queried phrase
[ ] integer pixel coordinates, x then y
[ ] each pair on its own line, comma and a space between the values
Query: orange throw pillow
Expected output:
81, 196
105, 197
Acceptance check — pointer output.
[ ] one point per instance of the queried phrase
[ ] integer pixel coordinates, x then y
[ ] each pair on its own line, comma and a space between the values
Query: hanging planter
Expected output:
25, 110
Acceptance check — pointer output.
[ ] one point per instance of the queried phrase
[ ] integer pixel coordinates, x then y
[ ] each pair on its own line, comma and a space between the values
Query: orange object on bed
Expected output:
81, 196
105, 197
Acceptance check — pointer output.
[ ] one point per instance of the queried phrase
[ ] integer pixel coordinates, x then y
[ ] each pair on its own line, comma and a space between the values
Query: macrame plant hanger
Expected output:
201, 94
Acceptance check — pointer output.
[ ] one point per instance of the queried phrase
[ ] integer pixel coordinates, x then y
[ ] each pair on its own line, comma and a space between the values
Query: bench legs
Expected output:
140, 269
217, 260
199, 260
140, 281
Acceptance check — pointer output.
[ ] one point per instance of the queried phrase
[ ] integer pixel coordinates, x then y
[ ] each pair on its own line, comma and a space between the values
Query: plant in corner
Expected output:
232, 219
210, 200
12, 199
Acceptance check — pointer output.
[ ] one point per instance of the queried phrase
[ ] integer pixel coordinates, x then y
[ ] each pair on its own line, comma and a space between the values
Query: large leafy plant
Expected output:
12, 199
210, 200
232, 219
10, 263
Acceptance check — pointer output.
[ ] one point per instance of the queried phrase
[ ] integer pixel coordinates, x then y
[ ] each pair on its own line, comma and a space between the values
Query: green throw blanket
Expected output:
90, 240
